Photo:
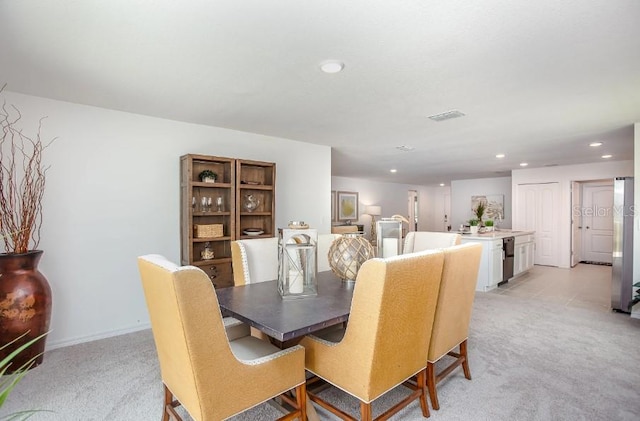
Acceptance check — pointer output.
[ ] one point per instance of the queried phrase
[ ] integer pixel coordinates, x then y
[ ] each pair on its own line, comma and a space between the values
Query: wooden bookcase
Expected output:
235, 180
258, 180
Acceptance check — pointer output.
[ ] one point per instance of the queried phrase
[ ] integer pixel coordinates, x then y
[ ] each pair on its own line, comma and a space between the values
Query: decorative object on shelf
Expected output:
207, 252
348, 253
208, 176
205, 204
347, 206
389, 238
25, 294
297, 264
253, 231
250, 203
473, 226
373, 211
208, 230
219, 204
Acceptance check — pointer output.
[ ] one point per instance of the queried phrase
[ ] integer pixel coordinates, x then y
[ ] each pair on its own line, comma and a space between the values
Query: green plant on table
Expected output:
8, 382
473, 222
488, 223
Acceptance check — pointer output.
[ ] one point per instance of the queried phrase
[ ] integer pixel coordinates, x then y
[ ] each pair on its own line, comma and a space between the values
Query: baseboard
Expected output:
90, 338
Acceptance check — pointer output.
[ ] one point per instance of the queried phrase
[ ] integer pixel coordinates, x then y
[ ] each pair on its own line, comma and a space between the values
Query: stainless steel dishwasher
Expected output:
508, 245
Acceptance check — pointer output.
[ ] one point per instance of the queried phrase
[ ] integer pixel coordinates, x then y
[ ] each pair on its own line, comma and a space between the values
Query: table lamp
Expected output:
373, 211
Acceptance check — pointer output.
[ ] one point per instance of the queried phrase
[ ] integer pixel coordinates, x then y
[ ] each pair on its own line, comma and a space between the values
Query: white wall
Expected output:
462, 190
113, 194
392, 198
564, 175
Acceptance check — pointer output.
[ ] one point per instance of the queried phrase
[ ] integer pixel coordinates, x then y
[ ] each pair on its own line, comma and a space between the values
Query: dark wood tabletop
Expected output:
261, 306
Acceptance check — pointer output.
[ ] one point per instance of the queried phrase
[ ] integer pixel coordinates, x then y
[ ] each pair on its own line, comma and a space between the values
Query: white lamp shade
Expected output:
373, 210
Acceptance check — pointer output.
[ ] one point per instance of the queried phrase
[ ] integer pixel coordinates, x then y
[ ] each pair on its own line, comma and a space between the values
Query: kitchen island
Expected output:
490, 273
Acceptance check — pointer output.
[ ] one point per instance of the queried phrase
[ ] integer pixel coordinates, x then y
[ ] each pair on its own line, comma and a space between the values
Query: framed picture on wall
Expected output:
347, 206
333, 205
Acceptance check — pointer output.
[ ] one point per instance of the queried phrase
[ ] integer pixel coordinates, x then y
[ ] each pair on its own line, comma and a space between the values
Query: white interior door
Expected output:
597, 222
447, 212
576, 224
538, 208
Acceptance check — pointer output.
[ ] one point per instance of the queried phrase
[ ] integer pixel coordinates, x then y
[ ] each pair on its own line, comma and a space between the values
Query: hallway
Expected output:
583, 286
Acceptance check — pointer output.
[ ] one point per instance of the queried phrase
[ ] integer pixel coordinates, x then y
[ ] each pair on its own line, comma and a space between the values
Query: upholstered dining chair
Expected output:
385, 341
212, 374
254, 260
426, 240
453, 313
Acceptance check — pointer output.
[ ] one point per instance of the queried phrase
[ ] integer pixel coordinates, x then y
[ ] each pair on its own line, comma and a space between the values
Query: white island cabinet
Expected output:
491, 262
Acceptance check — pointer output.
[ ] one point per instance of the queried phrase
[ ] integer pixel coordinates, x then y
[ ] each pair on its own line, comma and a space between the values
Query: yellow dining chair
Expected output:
453, 313
385, 341
212, 374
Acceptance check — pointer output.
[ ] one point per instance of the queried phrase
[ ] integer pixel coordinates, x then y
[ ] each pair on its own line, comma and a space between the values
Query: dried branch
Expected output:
22, 182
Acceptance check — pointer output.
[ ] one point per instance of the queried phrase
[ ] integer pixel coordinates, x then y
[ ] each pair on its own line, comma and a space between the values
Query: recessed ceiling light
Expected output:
595, 144
393, 170
500, 155
441, 184
331, 66
523, 164
607, 156
405, 148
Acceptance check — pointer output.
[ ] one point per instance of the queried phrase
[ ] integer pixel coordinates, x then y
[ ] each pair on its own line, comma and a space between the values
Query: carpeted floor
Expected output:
530, 360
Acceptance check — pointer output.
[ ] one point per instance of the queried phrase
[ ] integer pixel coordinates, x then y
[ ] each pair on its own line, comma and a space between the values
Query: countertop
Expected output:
495, 234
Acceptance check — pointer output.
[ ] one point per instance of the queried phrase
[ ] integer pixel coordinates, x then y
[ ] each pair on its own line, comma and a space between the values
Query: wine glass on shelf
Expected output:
219, 204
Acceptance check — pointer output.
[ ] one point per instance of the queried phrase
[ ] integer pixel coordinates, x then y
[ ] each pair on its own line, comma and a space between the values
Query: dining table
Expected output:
261, 306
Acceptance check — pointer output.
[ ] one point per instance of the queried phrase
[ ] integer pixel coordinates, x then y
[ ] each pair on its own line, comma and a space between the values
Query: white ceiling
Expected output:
537, 80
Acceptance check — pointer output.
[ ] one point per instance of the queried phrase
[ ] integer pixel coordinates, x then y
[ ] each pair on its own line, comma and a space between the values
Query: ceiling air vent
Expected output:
446, 116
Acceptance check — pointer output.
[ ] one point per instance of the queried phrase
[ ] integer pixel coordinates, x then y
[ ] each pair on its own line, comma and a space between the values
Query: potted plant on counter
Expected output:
25, 295
479, 212
473, 226
488, 225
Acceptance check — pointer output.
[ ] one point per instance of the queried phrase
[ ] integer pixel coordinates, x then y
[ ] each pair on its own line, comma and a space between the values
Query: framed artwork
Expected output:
333, 205
347, 206
494, 205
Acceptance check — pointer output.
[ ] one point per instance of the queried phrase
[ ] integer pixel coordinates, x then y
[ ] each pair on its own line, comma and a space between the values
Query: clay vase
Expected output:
25, 306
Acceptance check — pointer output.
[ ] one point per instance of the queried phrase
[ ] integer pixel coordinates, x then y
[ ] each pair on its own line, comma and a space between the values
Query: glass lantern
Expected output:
297, 263
389, 237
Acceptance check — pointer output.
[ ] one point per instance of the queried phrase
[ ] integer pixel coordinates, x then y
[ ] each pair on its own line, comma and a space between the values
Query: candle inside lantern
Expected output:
389, 247
295, 275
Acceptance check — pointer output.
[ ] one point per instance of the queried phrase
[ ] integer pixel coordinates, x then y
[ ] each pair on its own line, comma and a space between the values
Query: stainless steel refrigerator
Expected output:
622, 271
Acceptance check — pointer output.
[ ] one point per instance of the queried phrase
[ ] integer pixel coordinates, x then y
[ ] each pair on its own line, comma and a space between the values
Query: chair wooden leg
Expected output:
168, 397
465, 361
422, 385
301, 400
365, 411
431, 385
169, 404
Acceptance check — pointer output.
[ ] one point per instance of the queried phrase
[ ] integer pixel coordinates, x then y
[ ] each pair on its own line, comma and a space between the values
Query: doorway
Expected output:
592, 222
412, 204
